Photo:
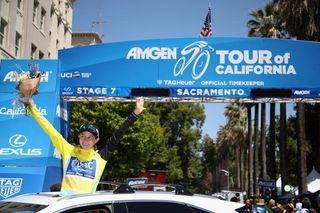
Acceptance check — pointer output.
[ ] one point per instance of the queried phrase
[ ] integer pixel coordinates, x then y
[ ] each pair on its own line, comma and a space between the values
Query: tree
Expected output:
302, 20
237, 115
210, 163
312, 118
283, 146
141, 148
272, 145
256, 148
263, 142
224, 137
250, 150
266, 23
182, 123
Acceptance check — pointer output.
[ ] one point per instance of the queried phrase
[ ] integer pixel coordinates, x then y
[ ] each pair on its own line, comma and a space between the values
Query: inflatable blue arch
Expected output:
188, 69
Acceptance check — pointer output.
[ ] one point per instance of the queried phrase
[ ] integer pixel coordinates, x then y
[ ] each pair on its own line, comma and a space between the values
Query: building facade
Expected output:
85, 38
35, 29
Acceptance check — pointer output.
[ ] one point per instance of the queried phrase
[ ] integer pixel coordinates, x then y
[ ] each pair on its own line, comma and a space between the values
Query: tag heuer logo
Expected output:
10, 186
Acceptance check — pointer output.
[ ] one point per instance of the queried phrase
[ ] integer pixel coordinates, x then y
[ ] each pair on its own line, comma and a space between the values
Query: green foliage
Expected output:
165, 137
266, 23
174, 165
210, 160
143, 146
301, 18
182, 122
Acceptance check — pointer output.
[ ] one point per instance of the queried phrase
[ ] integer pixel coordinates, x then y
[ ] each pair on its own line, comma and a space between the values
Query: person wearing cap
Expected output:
83, 166
271, 206
290, 208
298, 207
259, 206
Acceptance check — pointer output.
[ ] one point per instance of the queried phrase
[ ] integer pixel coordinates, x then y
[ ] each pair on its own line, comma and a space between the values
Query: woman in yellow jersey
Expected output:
83, 166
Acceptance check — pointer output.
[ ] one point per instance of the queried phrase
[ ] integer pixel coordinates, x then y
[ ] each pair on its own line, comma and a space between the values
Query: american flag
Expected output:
206, 30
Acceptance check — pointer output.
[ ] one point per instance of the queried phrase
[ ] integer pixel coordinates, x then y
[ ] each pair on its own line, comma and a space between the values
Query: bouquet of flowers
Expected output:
28, 82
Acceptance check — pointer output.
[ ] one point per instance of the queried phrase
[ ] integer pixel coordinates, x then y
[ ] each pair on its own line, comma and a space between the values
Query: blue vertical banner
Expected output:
27, 156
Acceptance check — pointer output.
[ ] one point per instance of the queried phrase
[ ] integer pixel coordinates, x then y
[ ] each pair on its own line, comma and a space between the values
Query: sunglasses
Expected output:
89, 128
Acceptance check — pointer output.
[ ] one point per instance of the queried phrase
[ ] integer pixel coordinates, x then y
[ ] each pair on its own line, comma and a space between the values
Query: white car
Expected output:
122, 200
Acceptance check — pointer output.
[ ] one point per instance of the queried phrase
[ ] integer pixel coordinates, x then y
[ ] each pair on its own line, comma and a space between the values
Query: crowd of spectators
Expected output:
296, 205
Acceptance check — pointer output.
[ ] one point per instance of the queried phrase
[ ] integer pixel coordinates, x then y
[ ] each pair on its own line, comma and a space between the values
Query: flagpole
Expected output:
206, 30
210, 14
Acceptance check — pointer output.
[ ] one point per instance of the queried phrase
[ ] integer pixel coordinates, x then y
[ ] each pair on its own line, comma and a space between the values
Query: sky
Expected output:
127, 20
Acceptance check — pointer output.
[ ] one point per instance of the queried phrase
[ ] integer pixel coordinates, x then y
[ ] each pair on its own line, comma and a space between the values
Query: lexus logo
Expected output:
18, 140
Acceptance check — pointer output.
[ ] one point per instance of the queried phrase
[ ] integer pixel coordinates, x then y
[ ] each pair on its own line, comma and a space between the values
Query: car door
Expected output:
101, 208
154, 207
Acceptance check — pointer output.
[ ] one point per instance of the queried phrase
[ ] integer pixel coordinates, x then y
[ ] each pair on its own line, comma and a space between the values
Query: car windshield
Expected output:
15, 207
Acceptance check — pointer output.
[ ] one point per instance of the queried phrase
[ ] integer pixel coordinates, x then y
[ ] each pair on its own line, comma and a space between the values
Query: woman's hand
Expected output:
139, 106
27, 101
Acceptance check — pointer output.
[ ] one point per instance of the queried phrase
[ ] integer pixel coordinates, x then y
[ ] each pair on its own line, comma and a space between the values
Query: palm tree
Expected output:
263, 142
301, 18
318, 130
256, 148
302, 158
236, 114
250, 151
266, 23
283, 146
224, 136
272, 143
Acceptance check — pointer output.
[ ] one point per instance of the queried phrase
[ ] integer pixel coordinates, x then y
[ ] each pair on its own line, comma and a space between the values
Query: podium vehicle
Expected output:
124, 199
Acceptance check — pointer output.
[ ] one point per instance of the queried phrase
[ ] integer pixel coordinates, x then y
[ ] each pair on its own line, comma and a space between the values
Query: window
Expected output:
35, 11
157, 207
41, 55
59, 5
196, 210
66, 9
4, 56
52, 10
65, 34
19, 4
57, 44
20, 207
43, 19
105, 208
3, 31
18, 44
59, 21
33, 51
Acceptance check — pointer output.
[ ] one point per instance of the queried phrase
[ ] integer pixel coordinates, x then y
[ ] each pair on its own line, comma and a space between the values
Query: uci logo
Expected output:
67, 89
18, 140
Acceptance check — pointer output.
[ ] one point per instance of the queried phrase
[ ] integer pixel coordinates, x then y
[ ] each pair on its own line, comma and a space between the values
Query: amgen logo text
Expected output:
153, 53
10, 76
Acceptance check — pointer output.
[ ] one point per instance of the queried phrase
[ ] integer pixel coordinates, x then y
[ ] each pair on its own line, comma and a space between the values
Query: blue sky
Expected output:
126, 20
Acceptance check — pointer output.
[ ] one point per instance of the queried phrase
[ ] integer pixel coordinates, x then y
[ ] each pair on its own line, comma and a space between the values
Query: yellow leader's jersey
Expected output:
82, 169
